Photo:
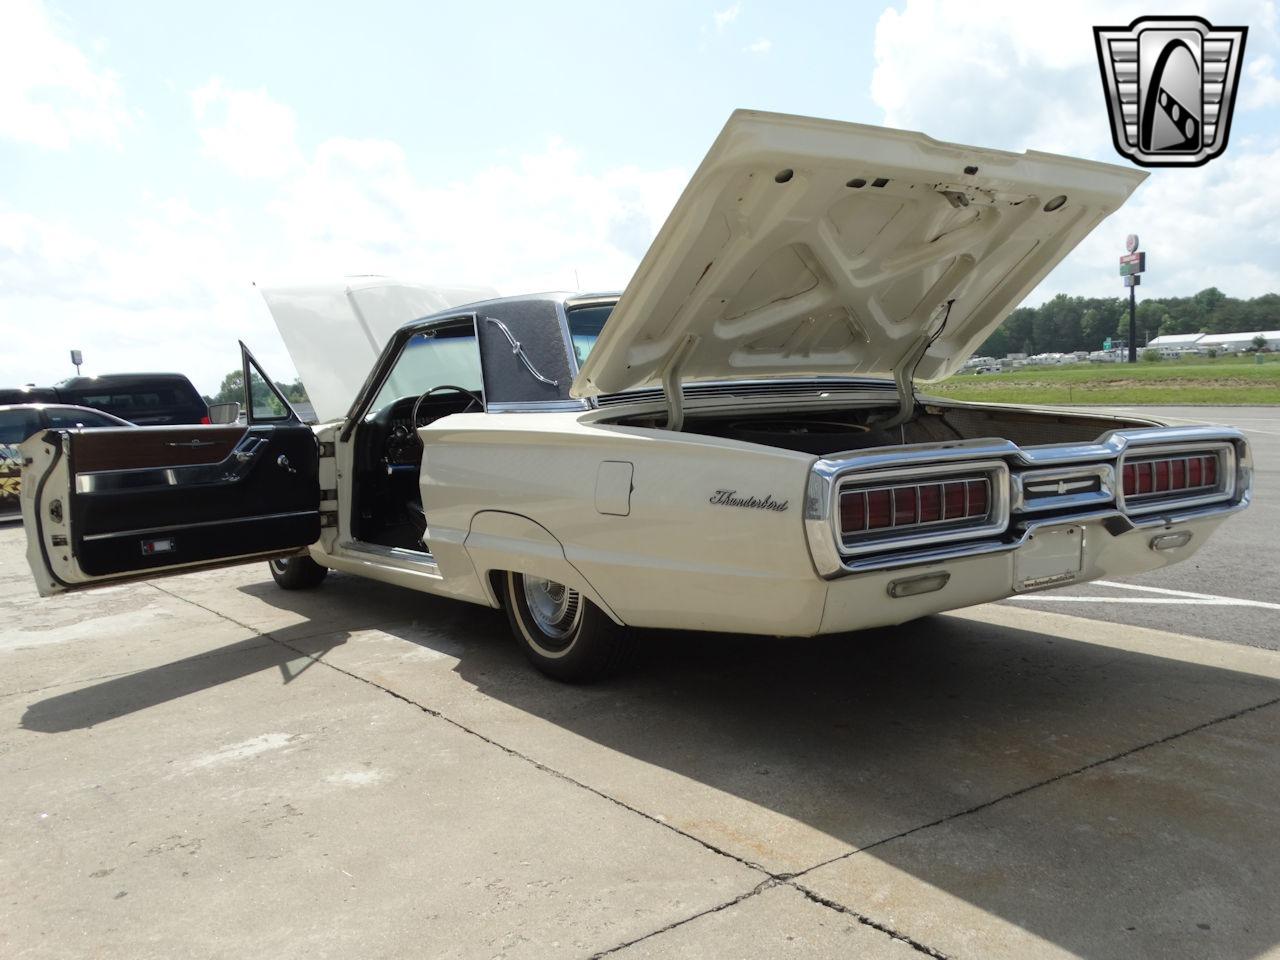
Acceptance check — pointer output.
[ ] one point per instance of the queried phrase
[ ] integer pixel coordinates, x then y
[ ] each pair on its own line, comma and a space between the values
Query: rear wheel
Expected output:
563, 634
297, 573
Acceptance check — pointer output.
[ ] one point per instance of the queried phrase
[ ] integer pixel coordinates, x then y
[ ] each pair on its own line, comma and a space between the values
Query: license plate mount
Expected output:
1050, 557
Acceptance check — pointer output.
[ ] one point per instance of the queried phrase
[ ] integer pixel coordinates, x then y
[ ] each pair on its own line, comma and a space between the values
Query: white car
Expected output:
733, 444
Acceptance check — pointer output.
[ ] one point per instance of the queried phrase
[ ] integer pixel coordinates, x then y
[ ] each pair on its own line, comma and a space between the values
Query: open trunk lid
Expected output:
806, 247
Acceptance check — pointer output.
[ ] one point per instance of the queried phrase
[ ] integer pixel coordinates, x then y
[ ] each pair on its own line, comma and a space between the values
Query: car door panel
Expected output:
106, 504
131, 448
144, 516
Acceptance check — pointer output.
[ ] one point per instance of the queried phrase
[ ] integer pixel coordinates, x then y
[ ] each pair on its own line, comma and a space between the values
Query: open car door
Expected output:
110, 504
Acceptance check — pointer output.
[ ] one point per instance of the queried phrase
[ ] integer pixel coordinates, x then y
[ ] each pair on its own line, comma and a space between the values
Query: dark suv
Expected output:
147, 399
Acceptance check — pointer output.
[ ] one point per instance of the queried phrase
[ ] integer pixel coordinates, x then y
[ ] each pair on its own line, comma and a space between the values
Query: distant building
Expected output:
1237, 342
1180, 340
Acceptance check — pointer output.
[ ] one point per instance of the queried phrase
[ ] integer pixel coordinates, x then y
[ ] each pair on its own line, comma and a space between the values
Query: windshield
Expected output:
585, 324
433, 359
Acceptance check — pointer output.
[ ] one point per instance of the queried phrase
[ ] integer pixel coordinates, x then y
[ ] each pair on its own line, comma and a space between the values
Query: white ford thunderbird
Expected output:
735, 443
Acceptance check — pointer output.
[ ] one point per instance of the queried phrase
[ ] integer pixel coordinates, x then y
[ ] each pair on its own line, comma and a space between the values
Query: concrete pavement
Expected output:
206, 766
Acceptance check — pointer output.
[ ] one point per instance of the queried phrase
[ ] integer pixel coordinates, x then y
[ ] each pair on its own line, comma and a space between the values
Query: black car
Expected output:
19, 421
147, 399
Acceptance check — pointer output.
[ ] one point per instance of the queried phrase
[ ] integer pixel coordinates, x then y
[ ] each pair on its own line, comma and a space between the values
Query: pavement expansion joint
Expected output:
432, 712
771, 879
1244, 711
916, 945
766, 884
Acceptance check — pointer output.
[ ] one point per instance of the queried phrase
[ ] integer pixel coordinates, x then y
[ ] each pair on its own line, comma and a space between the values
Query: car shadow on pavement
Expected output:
1108, 801
115, 697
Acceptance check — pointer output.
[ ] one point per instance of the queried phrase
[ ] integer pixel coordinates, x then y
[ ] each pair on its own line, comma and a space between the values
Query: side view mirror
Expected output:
224, 412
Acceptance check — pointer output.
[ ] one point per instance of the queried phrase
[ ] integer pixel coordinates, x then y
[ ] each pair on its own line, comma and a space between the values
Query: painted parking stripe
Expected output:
1150, 600
1167, 596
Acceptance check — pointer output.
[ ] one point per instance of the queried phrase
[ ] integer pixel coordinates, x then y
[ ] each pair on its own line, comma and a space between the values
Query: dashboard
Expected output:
390, 435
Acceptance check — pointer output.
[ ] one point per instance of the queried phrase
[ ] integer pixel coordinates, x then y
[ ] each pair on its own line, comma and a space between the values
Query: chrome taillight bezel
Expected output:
1224, 490
995, 472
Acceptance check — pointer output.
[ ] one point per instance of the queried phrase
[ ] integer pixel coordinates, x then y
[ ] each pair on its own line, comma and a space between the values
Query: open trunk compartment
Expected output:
825, 432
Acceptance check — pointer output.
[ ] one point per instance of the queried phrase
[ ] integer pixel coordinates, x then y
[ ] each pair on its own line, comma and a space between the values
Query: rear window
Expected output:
17, 425
64, 419
137, 401
585, 324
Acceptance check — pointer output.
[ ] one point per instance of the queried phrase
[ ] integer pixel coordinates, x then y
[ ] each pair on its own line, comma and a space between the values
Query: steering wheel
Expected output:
475, 403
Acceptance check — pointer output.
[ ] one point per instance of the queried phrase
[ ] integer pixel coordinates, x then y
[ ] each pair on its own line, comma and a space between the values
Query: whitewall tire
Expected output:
563, 634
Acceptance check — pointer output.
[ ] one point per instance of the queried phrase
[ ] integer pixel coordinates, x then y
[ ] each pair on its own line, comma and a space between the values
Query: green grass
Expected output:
1224, 380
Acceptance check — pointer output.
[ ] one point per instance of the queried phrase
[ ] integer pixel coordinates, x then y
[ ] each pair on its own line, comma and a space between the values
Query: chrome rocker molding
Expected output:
831, 559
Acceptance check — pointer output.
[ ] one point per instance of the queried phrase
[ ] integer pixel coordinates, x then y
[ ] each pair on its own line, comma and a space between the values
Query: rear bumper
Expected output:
1110, 546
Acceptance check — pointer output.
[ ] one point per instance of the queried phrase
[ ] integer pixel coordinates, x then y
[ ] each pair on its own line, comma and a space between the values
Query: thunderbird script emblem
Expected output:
1170, 84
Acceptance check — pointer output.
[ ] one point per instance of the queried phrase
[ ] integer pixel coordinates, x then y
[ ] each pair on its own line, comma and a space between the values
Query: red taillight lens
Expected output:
903, 506
953, 500
977, 498
853, 512
1166, 475
879, 509
1162, 476
931, 503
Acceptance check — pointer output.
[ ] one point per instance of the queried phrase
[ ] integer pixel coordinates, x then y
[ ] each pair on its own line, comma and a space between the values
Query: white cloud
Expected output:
1214, 226
1007, 77
51, 95
1008, 74
726, 16
246, 130
172, 288
1261, 85
763, 45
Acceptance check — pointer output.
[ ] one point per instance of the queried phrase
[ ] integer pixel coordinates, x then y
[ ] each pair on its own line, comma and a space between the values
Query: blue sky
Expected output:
159, 158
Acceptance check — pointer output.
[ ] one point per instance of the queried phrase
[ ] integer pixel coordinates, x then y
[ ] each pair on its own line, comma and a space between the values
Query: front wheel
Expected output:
563, 634
297, 573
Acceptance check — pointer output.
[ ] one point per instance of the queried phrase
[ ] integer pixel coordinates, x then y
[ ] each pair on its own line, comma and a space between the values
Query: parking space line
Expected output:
1167, 596
1143, 588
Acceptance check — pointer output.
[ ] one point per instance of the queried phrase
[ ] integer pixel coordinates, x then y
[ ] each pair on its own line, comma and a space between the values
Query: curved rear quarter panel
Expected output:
677, 559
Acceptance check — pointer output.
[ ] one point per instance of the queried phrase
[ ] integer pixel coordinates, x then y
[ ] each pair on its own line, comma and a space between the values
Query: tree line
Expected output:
232, 389
1066, 324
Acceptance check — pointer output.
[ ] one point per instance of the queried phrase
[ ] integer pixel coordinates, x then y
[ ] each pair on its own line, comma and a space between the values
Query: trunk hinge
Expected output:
671, 386
905, 372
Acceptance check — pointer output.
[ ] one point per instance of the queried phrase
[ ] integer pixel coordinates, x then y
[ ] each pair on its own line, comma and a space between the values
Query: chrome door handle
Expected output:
191, 443
283, 463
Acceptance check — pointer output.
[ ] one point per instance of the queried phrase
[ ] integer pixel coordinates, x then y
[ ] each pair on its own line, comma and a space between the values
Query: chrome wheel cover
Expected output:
554, 609
279, 566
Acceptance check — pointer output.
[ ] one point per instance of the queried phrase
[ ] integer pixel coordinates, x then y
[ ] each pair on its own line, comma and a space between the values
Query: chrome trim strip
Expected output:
963, 551
821, 521
144, 531
537, 406
1067, 500
518, 351
996, 473
1225, 490
234, 466
399, 554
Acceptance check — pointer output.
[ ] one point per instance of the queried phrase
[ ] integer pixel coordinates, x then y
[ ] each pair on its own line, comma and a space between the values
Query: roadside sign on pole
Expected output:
1133, 263
1132, 280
